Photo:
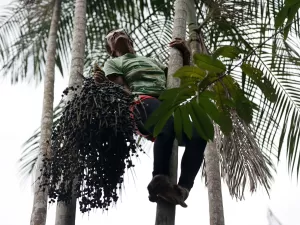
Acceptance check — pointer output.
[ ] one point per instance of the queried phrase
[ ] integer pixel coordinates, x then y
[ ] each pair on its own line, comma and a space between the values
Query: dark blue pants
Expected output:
194, 148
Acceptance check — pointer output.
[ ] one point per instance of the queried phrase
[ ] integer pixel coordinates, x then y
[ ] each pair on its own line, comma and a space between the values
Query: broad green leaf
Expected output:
208, 94
162, 121
220, 118
195, 122
171, 99
281, 16
243, 108
254, 73
162, 110
209, 108
231, 52
189, 83
178, 126
209, 63
232, 87
169, 93
228, 102
190, 72
263, 83
225, 124
202, 121
181, 96
268, 89
207, 81
187, 123
175, 94
222, 102
290, 3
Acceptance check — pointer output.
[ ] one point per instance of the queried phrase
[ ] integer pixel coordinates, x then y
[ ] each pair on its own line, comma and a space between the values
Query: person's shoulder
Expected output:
113, 66
115, 62
112, 60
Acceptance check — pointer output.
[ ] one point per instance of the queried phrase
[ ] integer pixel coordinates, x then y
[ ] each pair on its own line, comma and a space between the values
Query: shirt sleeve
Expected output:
160, 65
110, 67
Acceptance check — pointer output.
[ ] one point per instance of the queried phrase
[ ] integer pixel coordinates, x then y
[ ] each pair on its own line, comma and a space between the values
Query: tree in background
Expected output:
65, 212
212, 167
165, 212
39, 210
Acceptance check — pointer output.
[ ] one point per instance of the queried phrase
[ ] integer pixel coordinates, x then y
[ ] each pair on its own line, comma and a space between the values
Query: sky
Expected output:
20, 115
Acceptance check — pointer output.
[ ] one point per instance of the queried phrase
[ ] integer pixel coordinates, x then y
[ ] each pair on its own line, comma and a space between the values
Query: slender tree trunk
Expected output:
65, 213
39, 209
211, 155
216, 211
165, 213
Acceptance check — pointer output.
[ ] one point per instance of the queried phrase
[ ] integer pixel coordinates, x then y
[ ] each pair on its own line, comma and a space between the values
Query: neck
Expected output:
120, 53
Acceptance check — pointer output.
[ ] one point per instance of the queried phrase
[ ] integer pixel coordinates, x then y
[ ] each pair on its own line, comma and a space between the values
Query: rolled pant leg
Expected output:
191, 160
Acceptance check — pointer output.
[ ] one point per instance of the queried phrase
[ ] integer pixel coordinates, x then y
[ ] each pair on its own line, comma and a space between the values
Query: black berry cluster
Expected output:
92, 146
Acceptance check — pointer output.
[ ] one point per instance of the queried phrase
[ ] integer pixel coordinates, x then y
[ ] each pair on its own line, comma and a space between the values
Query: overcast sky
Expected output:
20, 115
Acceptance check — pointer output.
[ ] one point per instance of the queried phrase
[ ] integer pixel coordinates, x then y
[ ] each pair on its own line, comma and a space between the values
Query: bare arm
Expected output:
183, 47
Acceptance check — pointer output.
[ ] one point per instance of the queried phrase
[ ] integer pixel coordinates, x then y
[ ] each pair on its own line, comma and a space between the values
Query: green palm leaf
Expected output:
252, 29
29, 155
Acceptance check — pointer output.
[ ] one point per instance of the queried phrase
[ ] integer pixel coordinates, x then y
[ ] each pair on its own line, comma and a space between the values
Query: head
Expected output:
118, 43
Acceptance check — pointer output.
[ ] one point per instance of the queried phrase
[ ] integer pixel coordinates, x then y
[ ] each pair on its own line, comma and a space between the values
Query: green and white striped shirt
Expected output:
143, 75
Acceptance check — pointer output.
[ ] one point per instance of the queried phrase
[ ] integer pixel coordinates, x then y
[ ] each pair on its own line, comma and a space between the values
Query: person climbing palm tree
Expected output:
146, 78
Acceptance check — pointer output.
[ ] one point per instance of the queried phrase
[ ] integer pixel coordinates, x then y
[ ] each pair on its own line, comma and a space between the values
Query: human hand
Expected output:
181, 45
99, 75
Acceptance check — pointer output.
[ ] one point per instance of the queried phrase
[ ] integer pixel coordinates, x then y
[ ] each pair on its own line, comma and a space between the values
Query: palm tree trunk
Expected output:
216, 211
165, 213
39, 209
211, 154
65, 213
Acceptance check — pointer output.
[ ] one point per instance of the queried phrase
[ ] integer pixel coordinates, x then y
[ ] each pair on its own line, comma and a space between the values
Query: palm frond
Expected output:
242, 161
24, 32
151, 37
30, 152
250, 26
